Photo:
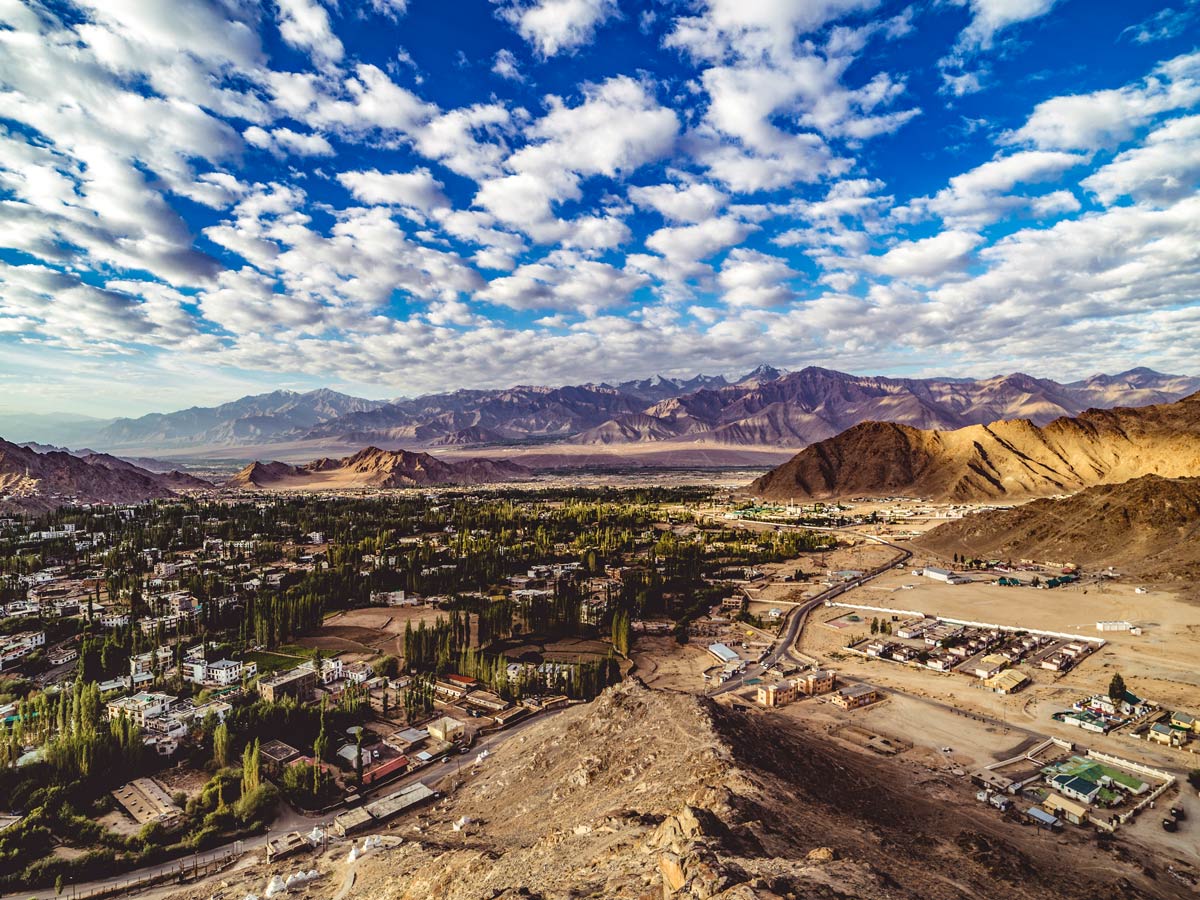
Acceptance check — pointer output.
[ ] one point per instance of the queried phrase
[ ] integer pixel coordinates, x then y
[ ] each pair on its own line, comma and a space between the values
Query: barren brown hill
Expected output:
1010, 459
32, 481
645, 795
372, 467
1148, 526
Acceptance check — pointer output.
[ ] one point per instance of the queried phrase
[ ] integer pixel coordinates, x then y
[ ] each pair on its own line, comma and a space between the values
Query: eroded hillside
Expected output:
647, 794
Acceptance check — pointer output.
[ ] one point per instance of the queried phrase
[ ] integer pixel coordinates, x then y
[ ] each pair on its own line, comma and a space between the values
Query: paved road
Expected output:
290, 820
798, 617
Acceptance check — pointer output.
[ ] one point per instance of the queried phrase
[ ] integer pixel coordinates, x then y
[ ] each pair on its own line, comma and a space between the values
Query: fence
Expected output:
180, 871
1168, 782
1099, 642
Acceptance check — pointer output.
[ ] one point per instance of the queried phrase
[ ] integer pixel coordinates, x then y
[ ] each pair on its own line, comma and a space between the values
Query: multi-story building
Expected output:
17, 646
115, 619
141, 708
222, 672
780, 693
298, 683
855, 696
818, 681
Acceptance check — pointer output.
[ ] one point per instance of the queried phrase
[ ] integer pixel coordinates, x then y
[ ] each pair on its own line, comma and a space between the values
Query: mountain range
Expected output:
372, 467
1010, 459
767, 407
32, 482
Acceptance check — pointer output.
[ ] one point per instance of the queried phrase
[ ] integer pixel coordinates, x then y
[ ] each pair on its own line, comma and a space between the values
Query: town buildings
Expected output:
855, 696
298, 683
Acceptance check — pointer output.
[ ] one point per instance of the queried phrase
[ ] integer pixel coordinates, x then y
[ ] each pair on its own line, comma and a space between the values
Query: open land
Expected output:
885, 790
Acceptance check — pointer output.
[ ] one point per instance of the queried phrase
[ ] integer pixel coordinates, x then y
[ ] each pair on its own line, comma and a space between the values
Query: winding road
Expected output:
798, 617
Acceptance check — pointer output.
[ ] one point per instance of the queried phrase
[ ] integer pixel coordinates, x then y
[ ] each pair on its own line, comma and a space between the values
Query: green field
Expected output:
275, 662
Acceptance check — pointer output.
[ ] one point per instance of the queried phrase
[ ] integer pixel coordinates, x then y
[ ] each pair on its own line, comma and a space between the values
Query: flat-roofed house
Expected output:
855, 696
992, 664
780, 693
1075, 813
141, 707
298, 683
1166, 735
818, 681
446, 729
1186, 721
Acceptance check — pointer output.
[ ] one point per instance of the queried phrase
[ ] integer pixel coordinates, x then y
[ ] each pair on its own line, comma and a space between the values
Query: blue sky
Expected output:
204, 199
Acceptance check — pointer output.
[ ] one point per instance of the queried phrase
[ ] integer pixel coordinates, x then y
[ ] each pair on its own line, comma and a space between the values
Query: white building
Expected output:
140, 708
222, 672
16, 646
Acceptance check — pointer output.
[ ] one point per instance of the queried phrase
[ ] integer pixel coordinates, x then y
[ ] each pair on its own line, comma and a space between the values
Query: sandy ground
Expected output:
535, 455
972, 743
1160, 664
663, 663
120, 823
360, 634
190, 781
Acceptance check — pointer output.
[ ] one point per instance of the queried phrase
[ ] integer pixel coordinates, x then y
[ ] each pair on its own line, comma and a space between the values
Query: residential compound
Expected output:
807, 684
989, 653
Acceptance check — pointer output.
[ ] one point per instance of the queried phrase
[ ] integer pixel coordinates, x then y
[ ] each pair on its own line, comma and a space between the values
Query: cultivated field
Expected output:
565, 650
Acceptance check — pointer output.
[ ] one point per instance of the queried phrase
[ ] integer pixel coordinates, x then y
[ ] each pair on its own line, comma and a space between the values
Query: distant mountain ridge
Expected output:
34, 482
1007, 459
799, 408
372, 467
260, 418
768, 407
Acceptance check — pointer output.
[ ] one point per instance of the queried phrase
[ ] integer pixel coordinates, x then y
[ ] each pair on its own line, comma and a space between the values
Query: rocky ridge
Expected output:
1014, 459
1146, 526
645, 795
37, 482
372, 467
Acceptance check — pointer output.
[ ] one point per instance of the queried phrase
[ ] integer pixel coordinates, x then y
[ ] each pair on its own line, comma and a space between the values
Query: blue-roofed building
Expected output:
723, 654
1043, 819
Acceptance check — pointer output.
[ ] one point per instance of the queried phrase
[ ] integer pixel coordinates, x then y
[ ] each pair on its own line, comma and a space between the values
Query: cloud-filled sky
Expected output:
206, 198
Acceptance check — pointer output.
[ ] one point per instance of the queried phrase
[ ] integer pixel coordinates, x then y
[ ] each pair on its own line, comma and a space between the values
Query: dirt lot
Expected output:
1159, 664
567, 650
665, 664
934, 771
190, 781
119, 823
360, 634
